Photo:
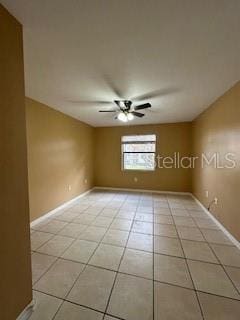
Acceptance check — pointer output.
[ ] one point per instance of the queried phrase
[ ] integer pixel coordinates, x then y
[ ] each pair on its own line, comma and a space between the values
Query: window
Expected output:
138, 152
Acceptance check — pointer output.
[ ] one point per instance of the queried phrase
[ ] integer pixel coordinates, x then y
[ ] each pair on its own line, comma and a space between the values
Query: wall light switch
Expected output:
85, 181
135, 179
69, 188
206, 193
216, 200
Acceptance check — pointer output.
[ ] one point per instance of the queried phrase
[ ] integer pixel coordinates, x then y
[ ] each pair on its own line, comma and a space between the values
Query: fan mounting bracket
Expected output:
124, 105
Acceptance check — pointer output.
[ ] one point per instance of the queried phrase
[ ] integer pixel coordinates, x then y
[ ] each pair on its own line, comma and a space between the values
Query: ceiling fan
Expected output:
126, 112
125, 109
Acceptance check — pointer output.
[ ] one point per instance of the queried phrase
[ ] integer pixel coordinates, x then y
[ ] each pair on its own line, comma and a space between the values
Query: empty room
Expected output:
120, 159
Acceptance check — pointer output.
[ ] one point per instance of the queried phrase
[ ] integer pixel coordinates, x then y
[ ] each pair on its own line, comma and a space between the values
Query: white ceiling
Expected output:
186, 51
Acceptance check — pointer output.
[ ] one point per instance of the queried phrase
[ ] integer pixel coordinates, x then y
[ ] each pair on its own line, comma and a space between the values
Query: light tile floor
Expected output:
134, 256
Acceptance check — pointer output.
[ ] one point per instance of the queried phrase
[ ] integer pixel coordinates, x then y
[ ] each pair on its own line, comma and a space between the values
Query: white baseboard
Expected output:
54, 211
142, 190
26, 313
226, 232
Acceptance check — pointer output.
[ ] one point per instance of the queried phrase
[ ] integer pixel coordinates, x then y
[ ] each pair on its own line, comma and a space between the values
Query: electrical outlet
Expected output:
69, 188
206, 193
215, 200
135, 179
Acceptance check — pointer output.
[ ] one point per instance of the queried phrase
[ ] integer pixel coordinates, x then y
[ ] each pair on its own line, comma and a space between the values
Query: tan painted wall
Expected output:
60, 154
170, 138
218, 130
15, 266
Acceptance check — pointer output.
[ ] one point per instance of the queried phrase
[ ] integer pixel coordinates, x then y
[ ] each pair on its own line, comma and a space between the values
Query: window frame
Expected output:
143, 152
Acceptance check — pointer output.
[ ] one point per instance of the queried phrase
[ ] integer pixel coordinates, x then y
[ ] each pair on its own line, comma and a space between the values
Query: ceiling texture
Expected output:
81, 54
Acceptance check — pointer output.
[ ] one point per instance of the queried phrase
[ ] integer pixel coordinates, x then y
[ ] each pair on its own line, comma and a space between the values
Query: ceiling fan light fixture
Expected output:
125, 112
122, 117
130, 116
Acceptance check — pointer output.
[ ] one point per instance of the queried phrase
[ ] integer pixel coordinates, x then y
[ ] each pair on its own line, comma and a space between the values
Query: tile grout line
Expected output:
117, 272
120, 264
74, 303
194, 287
237, 289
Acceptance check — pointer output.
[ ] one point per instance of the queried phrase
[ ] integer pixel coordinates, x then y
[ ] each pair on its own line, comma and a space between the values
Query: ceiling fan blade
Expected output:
118, 104
156, 93
142, 106
113, 86
107, 111
138, 114
90, 101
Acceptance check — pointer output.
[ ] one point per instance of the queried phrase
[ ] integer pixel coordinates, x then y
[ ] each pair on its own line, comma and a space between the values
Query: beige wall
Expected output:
218, 130
60, 154
15, 266
170, 138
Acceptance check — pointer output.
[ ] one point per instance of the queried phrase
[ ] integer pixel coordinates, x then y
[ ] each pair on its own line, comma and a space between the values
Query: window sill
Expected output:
139, 170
